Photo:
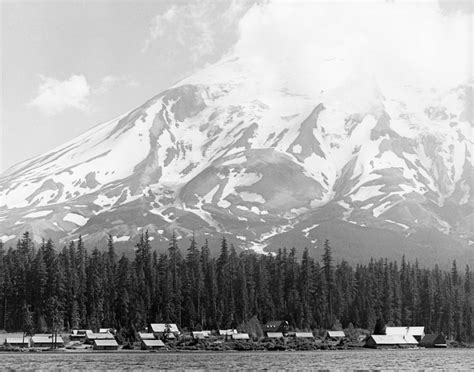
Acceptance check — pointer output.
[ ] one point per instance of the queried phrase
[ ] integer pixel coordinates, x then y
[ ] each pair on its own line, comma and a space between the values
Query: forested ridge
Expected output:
42, 288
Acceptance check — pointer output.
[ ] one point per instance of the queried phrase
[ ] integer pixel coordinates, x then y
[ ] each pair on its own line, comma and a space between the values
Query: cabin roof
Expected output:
412, 331
394, 340
336, 334
274, 334
240, 336
106, 342
304, 334
227, 332
100, 336
153, 342
14, 340
104, 330
146, 336
200, 334
47, 340
81, 332
161, 327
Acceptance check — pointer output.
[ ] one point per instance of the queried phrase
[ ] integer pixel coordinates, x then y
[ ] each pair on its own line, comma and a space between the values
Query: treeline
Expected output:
43, 289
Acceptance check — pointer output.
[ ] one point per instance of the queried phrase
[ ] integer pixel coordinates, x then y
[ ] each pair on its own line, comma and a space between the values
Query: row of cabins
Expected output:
105, 339
273, 329
102, 340
37, 341
394, 336
406, 337
99, 341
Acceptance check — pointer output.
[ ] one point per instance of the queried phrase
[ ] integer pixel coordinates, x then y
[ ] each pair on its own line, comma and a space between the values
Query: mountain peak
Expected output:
229, 152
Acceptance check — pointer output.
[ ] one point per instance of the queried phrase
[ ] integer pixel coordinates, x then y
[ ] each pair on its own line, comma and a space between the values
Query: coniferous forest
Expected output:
43, 288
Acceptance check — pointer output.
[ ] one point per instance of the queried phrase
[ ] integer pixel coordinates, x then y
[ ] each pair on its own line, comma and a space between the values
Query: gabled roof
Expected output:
304, 335
200, 334
274, 334
150, 343
240, 336
336, 334
105, 343
81, 332
412, 331
104, 330
100, 336
146, 336
161, 327
14, 340
46, 340
227, 332
394, 340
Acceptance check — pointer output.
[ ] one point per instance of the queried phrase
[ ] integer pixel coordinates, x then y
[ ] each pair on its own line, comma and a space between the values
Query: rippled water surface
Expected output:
420, 359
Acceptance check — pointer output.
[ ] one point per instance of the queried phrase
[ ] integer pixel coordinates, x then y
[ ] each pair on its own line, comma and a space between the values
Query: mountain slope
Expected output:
227, 152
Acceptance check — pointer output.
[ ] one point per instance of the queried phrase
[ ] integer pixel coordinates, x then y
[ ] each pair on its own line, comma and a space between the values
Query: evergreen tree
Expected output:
328, 271
46, 290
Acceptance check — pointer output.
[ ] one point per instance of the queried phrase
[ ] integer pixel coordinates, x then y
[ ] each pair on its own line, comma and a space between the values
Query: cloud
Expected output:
110, 81
197, 28
160, 25
55, 96
318, 45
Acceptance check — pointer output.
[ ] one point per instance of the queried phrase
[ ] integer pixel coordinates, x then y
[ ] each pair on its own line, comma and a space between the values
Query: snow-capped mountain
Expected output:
230, 151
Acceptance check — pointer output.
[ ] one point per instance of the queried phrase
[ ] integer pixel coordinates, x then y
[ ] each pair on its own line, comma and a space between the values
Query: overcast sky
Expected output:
67, 66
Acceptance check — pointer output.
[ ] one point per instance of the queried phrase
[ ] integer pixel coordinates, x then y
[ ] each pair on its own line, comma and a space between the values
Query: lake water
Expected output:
418, 359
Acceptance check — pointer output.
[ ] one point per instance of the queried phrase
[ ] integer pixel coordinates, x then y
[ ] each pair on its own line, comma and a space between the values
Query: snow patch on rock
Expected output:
76, 219
38, 214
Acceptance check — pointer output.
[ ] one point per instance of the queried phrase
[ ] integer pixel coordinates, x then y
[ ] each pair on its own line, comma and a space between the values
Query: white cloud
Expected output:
316, 45
160, 24
109, 81
55, 96
197, 28
185, 25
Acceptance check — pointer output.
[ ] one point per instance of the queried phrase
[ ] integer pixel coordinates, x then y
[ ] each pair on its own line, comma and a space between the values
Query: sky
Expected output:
68, 66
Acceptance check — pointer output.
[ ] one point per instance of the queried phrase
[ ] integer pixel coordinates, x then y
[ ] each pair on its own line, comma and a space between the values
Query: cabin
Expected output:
107, 330
18, 342
47, 341
274, 334
417, 332
146, 336
91, 337
276, 326
105, 344
335, 335
240, 336
304, 335
390, 341
199, 335
79, 334
148, 344
227, 332
169, 336
433, 340
160, 329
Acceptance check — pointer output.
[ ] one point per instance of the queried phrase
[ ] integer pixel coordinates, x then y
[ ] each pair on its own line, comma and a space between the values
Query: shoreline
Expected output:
231, 351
